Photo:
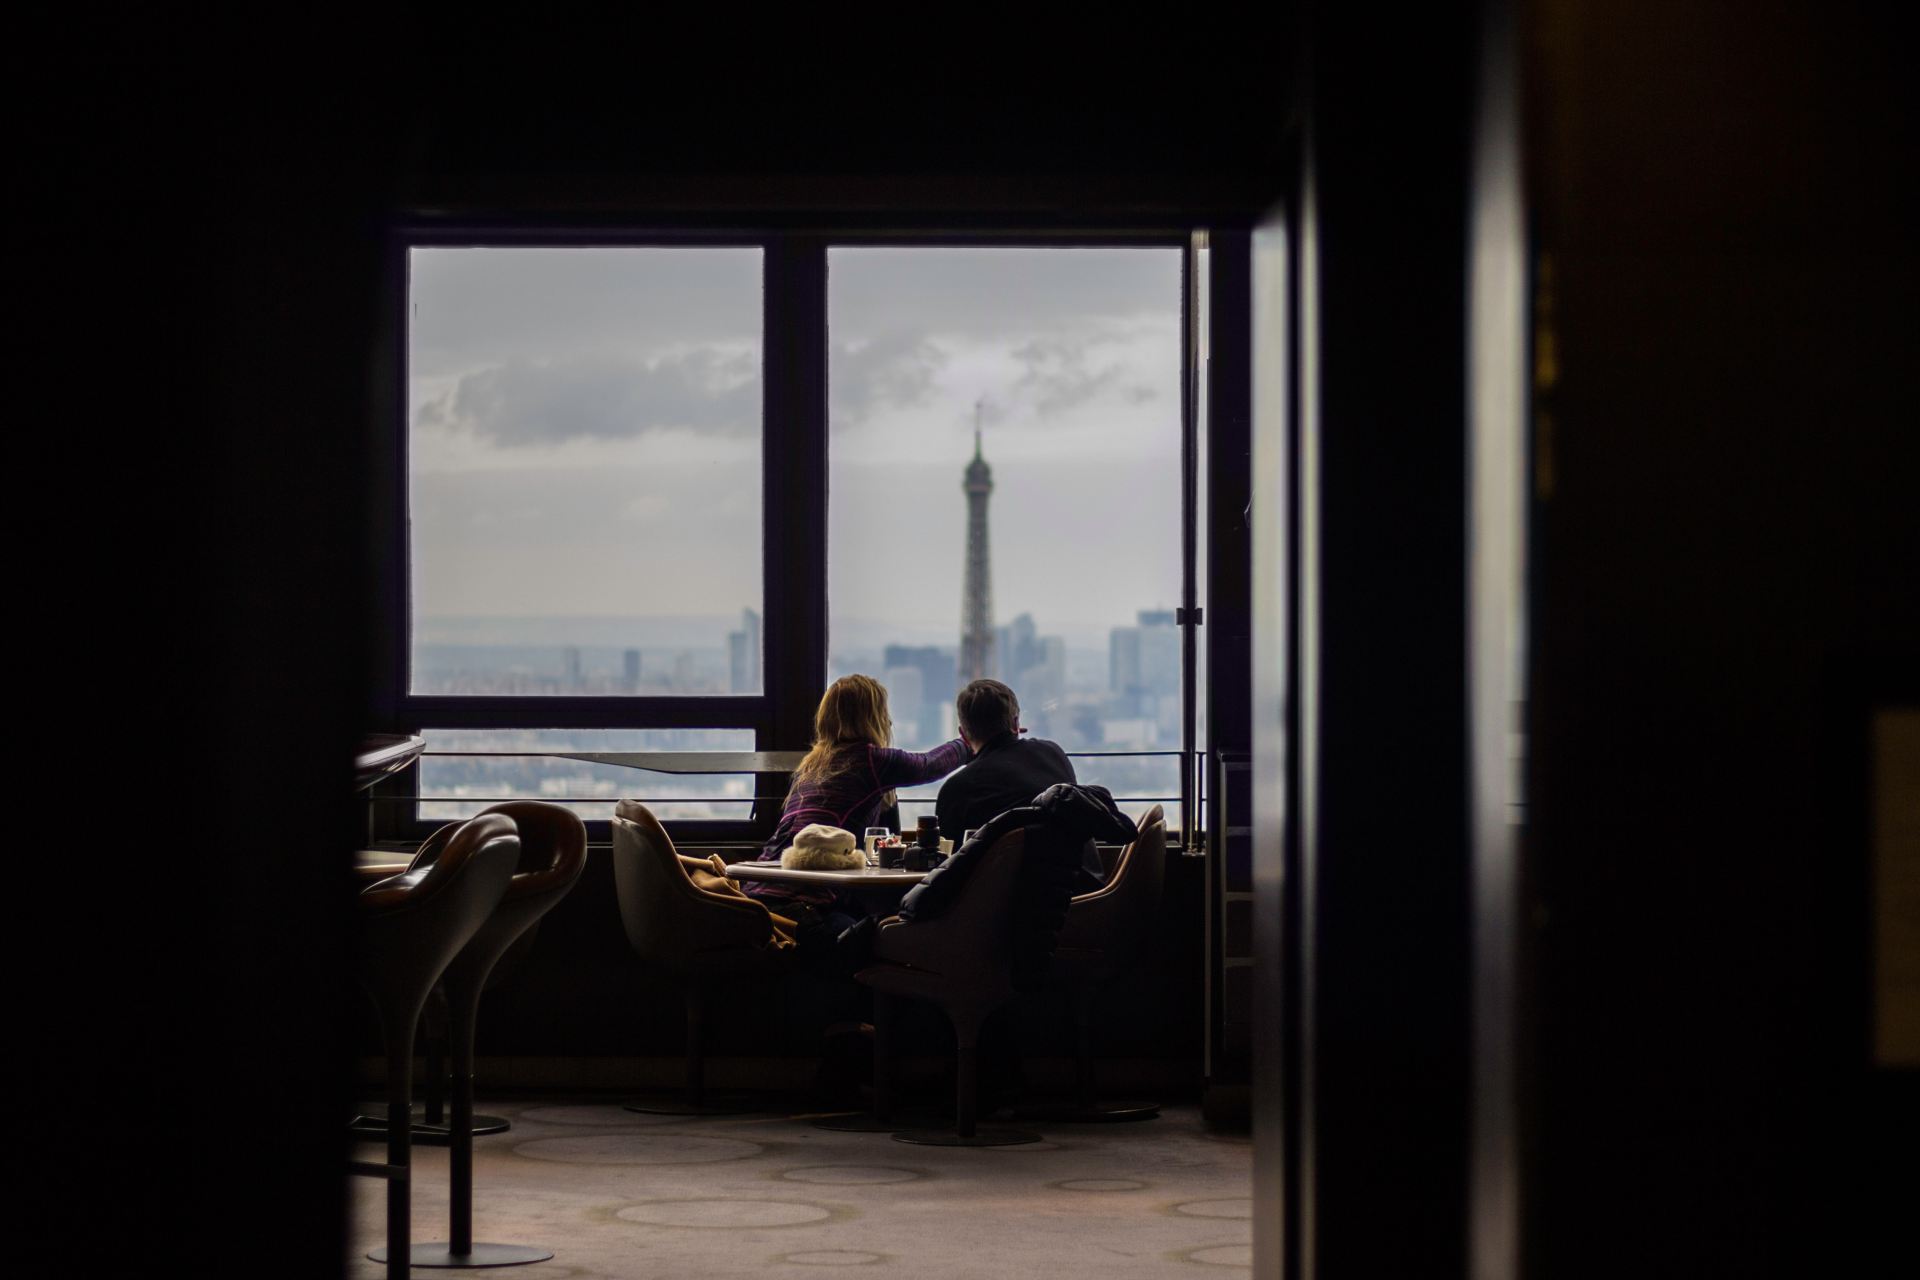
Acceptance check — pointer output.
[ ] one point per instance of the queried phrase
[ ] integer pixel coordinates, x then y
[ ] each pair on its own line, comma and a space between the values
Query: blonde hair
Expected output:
853, 712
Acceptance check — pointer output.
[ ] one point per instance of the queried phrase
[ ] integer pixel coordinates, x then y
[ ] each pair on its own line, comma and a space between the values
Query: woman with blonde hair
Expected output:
846, 780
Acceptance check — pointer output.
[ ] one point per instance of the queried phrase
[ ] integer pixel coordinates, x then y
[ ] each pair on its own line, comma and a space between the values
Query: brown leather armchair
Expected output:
961, 961
696, 935
1106, 931
411, 928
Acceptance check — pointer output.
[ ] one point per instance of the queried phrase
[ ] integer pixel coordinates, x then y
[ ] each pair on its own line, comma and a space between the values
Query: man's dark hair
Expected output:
987, 709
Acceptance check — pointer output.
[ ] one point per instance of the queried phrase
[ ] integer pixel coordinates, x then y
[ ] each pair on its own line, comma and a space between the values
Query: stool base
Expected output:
982, 1137
483, 1255
712, 1103
867, 1122
1098, 1113
374, 1126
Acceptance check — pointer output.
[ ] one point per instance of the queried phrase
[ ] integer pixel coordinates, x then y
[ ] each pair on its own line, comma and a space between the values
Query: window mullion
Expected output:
794, 479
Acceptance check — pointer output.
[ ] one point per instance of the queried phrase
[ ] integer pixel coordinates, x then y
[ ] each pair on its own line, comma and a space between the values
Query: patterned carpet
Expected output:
617, 1194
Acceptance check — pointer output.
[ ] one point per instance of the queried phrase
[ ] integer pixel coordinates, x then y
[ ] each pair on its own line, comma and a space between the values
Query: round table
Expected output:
878, 889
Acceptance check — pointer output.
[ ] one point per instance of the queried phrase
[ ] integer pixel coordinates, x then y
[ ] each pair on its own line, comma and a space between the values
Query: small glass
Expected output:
874, 836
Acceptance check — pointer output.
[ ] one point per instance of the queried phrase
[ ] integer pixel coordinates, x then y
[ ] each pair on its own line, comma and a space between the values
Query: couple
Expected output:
847, 780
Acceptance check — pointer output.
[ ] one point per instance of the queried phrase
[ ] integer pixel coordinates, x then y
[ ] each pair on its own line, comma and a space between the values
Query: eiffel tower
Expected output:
976, 608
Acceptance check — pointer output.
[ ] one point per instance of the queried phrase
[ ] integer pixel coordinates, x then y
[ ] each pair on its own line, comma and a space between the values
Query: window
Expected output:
1006, 441
657, 493
584, 470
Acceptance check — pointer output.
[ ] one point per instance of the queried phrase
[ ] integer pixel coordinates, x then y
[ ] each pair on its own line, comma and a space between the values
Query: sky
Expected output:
585, 432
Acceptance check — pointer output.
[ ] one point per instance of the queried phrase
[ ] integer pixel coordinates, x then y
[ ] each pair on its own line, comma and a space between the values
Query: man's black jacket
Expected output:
1058, 823
1007, 773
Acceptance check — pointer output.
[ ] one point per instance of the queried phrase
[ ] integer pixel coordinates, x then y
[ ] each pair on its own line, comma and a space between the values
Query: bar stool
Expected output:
411, 928
430, 1125
696, 936
963, 962
553, 851
1105, 931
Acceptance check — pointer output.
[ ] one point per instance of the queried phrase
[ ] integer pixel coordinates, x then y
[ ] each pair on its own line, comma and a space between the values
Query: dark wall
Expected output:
1380, 806
198, 288
1725, 541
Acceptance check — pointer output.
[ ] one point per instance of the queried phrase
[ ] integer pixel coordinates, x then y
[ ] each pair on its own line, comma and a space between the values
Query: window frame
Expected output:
795, 355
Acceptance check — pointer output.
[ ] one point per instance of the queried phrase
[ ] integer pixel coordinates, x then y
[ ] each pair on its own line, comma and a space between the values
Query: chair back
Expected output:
415, 923
1118, 917
967, 950
668, 919
553, 853
553, 847
981, 917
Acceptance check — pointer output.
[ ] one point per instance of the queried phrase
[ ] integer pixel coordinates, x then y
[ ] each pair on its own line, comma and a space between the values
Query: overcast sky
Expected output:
585, 432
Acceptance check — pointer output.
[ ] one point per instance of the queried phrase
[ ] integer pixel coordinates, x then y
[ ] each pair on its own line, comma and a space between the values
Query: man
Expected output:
1007, 771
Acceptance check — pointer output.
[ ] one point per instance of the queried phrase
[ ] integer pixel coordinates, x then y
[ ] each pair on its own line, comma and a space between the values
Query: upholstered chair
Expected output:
961, 961
697, 937
1106, 932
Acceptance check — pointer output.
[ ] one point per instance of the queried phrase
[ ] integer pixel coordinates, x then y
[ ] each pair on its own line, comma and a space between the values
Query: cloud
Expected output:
522, 402
896, 369
1058, 375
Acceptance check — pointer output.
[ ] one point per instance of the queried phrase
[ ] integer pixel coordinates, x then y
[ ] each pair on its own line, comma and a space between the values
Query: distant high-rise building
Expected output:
976, 606
1035, 665
1123, 659
630, 669
1159, 653
1016, 647
743, 655
1143, 665
925, 696
570, 660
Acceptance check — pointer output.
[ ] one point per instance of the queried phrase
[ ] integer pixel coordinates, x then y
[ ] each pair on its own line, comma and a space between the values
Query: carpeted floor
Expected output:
617, 1194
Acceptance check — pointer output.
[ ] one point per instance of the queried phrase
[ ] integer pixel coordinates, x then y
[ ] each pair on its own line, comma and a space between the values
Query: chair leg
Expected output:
696, 1046
463, 1015
1083, 1044
882, 1057
434, 1088
966, 1105
1085, 1110
967, 1132
460, 1251
695, 1099
431, 1129
881, 1118
400, 1026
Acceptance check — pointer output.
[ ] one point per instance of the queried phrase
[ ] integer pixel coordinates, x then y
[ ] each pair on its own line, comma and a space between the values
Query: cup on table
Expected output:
874, 836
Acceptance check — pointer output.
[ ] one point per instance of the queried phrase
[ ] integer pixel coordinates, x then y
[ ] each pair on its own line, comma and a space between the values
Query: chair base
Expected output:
372, 1125
715, 1102
1097, 1113
867, 1122
482, 1255
985, 1136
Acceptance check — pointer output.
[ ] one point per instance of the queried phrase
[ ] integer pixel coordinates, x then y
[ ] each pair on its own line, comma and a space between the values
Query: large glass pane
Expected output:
462, 771
1005, 472
584, 470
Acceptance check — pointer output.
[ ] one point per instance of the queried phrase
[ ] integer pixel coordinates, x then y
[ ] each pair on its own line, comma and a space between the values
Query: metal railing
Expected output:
1189, 796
